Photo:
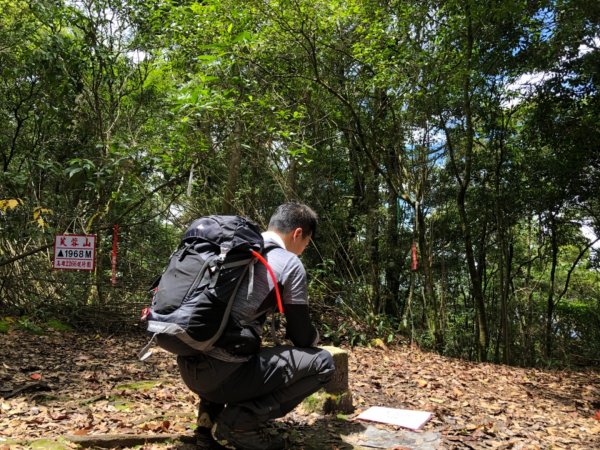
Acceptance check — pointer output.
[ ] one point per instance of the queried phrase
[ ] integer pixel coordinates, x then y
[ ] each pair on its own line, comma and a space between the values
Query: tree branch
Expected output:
572, 269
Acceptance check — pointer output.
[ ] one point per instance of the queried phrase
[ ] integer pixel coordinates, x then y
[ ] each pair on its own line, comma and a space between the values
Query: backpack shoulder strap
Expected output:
272, 275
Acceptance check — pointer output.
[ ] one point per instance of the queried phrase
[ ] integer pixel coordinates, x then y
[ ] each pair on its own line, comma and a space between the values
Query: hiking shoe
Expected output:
207, 414
260, 439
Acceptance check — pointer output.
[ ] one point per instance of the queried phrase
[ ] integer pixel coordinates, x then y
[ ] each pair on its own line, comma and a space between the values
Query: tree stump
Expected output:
335, 397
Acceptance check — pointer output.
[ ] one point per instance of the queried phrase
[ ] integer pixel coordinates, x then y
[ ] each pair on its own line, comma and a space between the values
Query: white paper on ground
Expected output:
402, 417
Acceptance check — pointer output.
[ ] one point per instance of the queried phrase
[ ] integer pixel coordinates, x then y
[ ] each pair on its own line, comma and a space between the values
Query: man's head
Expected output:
296, 224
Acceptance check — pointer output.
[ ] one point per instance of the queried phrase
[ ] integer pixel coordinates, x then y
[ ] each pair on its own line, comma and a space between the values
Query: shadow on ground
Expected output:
323, 434
332, 433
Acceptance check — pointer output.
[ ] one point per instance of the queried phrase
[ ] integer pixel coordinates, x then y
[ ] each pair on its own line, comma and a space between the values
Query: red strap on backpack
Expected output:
277, 293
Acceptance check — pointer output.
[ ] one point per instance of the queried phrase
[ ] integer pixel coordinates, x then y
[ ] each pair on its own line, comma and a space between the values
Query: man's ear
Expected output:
297, 233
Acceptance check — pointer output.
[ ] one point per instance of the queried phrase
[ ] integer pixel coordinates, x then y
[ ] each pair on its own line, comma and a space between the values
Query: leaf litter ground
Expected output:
71, 384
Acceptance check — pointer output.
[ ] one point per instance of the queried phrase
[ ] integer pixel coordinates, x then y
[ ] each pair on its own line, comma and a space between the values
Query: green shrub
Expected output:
4, 326
27, 325
57, 325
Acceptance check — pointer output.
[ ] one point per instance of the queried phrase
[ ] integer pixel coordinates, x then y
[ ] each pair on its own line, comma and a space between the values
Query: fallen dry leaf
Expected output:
81, 432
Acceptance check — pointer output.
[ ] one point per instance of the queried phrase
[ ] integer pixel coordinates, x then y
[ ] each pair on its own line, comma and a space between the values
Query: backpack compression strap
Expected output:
277, 293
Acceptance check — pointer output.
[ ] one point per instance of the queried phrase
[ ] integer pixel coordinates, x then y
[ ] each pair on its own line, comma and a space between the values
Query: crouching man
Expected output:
241, 392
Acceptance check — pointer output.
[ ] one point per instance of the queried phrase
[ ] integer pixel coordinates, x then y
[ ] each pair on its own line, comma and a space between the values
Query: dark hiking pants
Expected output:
269, 385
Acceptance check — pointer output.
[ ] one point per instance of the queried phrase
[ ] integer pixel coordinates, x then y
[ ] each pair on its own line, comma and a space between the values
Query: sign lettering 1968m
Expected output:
77, 254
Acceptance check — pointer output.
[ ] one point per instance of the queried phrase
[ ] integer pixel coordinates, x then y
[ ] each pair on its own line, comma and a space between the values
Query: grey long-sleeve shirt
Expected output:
256, 298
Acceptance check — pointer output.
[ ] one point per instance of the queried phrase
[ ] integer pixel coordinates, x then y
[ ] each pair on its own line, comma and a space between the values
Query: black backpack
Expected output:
192, 299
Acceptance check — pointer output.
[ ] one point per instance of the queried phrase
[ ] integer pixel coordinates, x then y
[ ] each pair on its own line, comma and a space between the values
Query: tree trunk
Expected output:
504, 261
372, 242
392, 261
462, 174
550, 302
428, 287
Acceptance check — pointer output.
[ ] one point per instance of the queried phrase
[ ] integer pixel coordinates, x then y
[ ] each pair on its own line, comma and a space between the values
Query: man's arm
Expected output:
300, 329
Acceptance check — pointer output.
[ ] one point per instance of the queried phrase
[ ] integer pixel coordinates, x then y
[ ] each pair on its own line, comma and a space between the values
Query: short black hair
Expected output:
289, 216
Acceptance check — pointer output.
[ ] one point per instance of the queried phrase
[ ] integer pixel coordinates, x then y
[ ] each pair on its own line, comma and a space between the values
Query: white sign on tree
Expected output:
74, 252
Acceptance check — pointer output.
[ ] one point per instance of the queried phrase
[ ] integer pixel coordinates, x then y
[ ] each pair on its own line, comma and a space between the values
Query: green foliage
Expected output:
577, 328
49, 444
5, 326
141, 386
379, 329
26, 324
397, 121
343, 323
57, 325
